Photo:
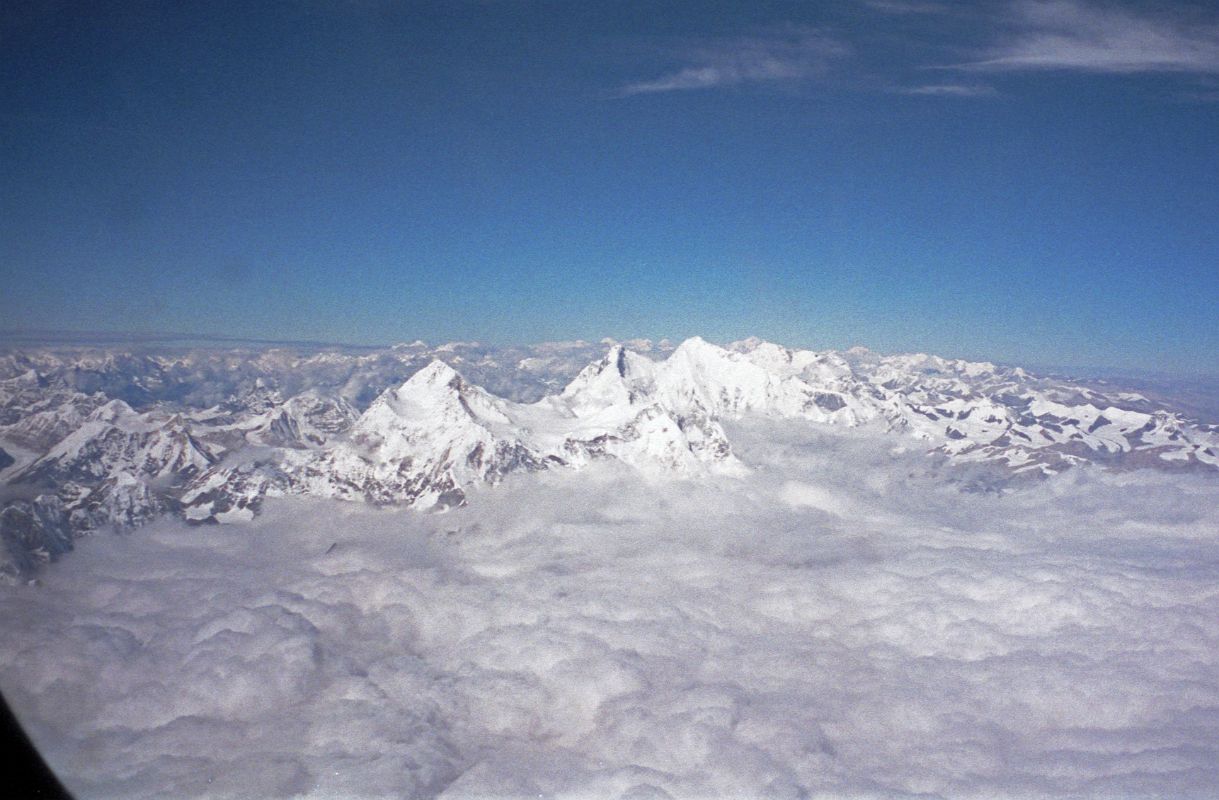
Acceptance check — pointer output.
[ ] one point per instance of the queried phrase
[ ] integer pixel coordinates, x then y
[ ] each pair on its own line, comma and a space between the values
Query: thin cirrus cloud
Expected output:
1069, 35
1032, 35
950, 90
906, 7
785, 57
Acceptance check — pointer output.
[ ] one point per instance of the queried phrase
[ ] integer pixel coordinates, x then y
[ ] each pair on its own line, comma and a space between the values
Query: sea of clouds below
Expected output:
841, 623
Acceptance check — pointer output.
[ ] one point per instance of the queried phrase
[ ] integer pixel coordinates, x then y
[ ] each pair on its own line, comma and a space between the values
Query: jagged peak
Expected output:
697, 348
436, 373
112, 411
436, 383
618, 361
613, 380
437, 388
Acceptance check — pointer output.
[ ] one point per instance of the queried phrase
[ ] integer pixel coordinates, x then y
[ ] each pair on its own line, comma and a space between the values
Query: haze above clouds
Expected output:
842, 622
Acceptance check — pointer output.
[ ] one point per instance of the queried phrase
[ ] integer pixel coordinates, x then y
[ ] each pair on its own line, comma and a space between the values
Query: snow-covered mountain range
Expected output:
99, 439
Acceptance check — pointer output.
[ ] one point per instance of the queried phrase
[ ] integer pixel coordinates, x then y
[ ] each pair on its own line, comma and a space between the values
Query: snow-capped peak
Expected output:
111, 413
697, 347
437, 373
614, 381
434, 401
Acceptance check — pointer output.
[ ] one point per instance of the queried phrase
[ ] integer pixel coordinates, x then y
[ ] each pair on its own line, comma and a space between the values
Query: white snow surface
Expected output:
837, 623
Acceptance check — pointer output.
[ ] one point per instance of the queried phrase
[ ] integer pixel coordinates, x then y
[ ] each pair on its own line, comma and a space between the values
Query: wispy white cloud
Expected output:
1072, 35
785, 56
949, 90
906, 6
1068, 35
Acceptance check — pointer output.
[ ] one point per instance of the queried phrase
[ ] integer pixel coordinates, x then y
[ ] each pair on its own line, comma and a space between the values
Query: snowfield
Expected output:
838, 622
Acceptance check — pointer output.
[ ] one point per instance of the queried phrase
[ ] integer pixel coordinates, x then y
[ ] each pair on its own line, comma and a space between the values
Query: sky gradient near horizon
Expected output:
1027, 182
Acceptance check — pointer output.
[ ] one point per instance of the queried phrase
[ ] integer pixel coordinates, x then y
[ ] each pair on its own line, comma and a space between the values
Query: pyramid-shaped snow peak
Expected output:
435, 415
620, 380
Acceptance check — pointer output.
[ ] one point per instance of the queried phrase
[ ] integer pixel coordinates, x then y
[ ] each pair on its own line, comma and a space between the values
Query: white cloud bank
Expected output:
839, 624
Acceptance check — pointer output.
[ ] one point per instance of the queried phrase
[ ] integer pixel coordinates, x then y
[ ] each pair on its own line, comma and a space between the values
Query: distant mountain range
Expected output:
106, 438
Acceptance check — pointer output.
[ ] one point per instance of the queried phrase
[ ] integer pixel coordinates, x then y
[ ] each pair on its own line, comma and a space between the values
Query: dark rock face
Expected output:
32, 532
829, 402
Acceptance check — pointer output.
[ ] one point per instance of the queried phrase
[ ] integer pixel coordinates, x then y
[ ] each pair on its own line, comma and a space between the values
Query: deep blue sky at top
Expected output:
1022, 181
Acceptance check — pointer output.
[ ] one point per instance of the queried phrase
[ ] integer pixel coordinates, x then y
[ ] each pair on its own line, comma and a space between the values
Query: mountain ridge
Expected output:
407, 427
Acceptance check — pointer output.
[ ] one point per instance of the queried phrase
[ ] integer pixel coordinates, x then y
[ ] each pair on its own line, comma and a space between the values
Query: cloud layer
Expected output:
840, 623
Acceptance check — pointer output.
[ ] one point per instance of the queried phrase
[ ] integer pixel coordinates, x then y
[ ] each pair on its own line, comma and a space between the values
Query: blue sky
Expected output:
1027, 182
